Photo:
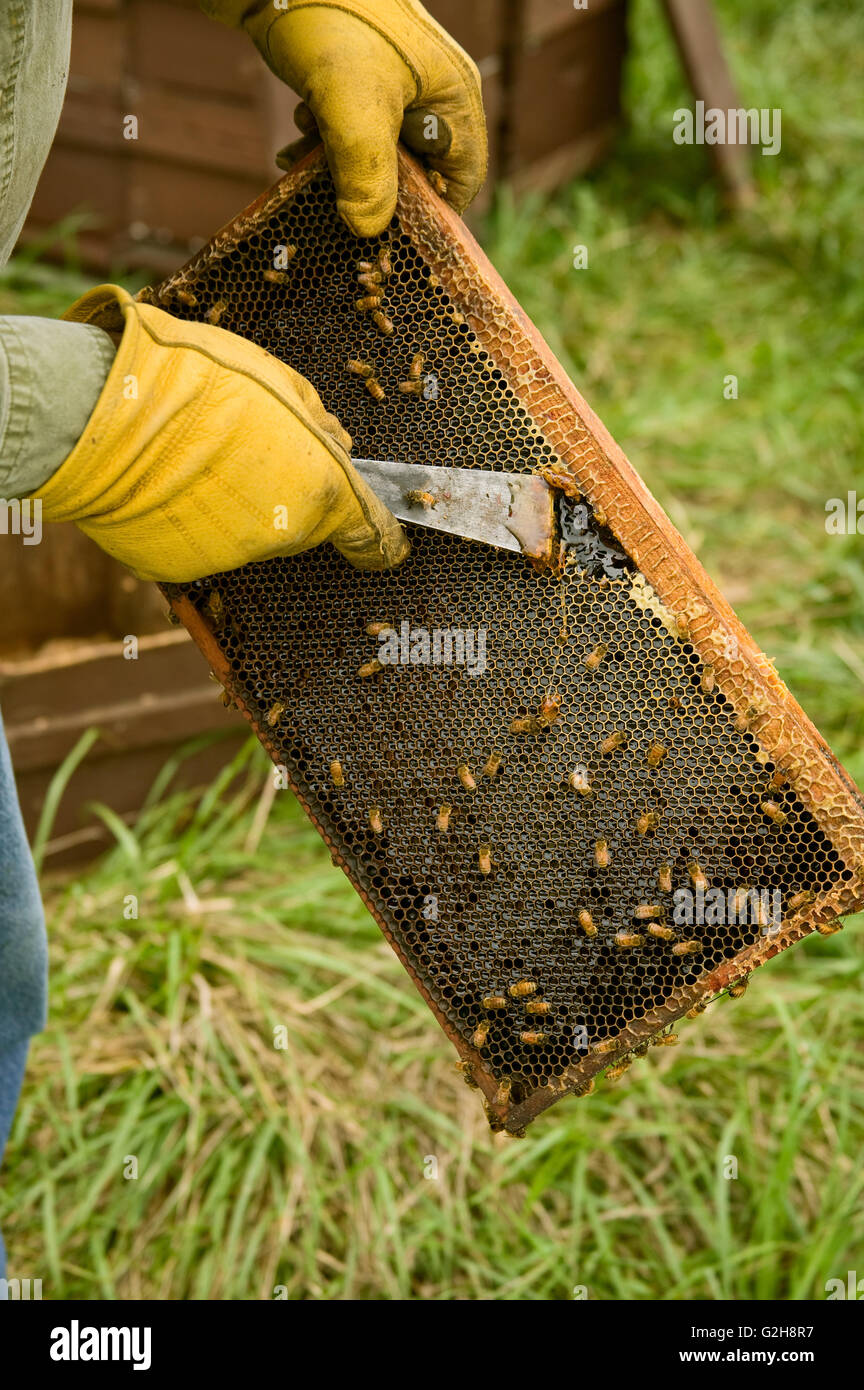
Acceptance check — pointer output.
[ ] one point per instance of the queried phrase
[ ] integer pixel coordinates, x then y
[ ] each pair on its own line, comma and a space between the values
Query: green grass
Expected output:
31, 285
303, 1166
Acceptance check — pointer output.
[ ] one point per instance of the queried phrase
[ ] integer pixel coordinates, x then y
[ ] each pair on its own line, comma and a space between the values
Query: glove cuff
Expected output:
69, 494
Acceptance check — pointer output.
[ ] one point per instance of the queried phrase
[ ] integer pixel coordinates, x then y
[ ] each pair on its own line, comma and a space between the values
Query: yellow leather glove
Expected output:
360, 66
205, 452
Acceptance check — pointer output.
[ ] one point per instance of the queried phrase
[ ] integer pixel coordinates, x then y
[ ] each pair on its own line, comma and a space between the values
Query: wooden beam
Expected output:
697, 38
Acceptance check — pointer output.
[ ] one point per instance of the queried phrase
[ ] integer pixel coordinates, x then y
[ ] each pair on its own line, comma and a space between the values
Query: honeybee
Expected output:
628, 940
616, 1072
697, 878
829, 928
537, 1006
466, 777
550, 710
739, 900
337, 776
802, 899
492, 764
384, 263
522, 988
612, 741
773, 812
739, 988
502, 1095
376, 821
496, 1124
367, 301
687, 948
664, 878
466, 1069
370, 280
601, 854
214, 609
649, 820
607, 1045
375, 629
655, 755
661, 932
364, 267
275, 277
593, 659
707, 680
382, 323
586, 922
665, 1040
779, 780
414, 384
418, 498
442, 820
682, 626
217, 312
188, 298
359, 368
578, 781
484, 859
481, 1033
698, 1009
374, 387
600, 516
585, 1089
438, 182
526, 725
369, 668
532, 1038
494, 1001
275, 713
645, 911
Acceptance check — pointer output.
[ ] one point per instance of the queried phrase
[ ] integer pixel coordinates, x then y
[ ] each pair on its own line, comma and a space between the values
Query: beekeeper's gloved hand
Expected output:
366, 70
205, 452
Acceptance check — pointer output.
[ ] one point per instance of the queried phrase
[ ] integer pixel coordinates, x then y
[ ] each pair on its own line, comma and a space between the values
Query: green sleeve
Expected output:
51, 375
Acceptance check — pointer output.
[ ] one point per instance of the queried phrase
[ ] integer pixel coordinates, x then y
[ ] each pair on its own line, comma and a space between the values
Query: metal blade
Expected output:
513, 511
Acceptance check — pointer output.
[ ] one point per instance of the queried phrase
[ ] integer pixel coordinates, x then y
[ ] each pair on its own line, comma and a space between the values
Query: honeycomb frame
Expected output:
684, 617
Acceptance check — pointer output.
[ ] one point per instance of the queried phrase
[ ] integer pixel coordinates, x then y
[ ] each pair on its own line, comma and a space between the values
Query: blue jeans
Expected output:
12, 1063
23, 951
